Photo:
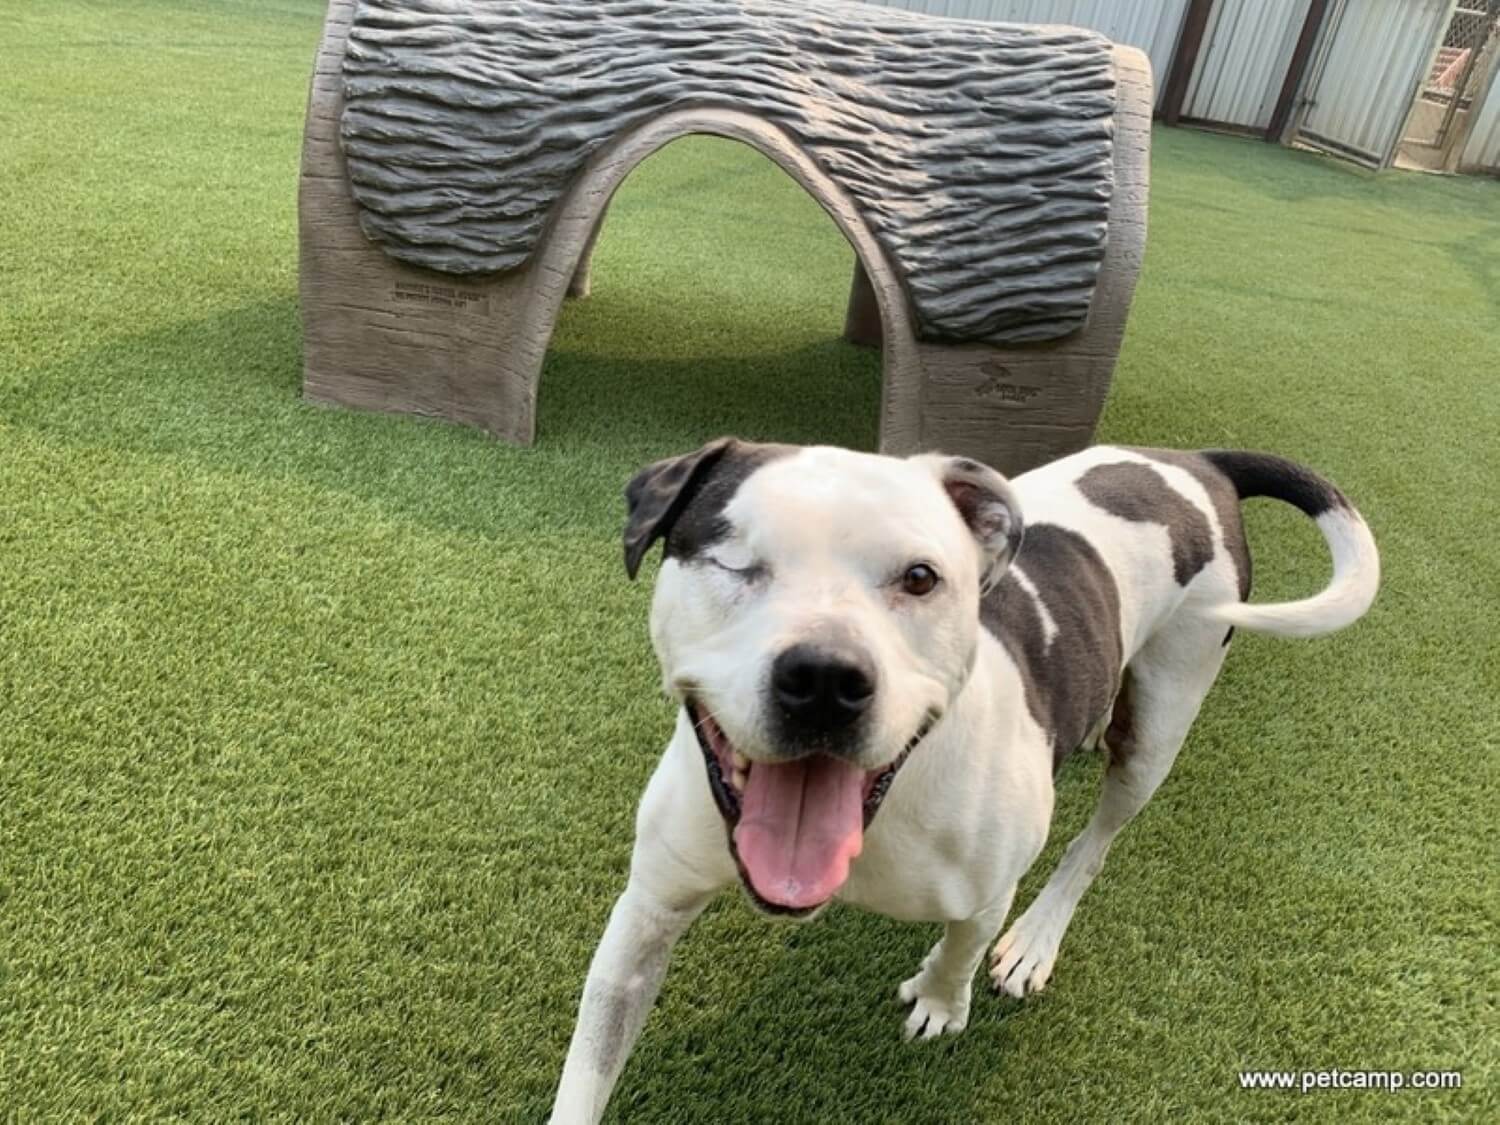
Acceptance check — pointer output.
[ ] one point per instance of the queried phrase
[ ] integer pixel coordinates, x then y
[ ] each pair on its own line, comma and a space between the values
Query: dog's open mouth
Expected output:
794, 827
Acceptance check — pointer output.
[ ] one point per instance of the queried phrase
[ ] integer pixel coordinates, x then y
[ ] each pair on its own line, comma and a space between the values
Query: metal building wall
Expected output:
1366, 71
1246, 50
1151, 25
1482, 151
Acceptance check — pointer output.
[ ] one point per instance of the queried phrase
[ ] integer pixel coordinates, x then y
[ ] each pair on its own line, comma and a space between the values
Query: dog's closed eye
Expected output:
741, 565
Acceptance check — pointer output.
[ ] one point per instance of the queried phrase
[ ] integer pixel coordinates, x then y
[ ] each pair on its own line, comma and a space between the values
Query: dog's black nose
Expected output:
823, 689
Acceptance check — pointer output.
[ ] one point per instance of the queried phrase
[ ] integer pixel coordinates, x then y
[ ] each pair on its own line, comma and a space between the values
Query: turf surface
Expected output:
320, 732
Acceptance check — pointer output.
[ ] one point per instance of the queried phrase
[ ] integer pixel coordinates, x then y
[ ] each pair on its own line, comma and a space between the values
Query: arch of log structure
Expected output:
387, 335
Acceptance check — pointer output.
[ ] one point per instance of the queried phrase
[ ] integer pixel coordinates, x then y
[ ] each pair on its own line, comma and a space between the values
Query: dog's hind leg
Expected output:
939, 993
1164, 687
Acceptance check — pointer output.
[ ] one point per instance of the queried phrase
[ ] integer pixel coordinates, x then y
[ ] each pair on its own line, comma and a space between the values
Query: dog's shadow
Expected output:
816, 1033
799, 1022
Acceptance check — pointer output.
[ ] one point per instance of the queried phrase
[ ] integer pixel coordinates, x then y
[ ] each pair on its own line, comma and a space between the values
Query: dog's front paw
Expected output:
1024, 956
936, 1008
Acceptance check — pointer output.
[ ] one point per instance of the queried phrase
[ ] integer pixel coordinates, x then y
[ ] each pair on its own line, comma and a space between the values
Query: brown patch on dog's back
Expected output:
1139, 493
1226, 501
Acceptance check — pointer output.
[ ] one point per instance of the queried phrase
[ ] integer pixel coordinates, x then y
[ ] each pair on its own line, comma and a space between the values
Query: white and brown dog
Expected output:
878, 681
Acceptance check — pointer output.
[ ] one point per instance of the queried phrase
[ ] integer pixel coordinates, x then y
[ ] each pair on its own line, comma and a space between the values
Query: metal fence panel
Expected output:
1151, 25
1373, 56
1247, 47
1482, 152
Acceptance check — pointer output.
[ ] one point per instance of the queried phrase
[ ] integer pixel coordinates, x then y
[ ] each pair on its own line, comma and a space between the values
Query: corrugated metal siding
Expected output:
1377, 53
1247, 48
1482, 150
1151, 25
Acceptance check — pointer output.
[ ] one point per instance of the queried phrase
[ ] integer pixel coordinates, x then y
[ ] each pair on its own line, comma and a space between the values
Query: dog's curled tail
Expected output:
1356, 562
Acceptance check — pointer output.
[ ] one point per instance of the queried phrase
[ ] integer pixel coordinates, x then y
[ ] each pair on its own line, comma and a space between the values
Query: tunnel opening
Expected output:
713, 297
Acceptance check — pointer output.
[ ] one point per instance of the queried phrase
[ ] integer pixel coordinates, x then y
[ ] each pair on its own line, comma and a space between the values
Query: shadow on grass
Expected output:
1479, 254
223, 393
809, 1038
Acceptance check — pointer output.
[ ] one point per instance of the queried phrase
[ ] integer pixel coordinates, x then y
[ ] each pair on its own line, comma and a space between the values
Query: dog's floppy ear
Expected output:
656, 496
987, 505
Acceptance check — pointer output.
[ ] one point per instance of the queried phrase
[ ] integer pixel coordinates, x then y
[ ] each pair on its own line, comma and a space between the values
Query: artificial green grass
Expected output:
320, 733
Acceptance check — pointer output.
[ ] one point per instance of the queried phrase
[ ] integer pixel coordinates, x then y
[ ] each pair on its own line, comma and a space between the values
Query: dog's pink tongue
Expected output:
801, 824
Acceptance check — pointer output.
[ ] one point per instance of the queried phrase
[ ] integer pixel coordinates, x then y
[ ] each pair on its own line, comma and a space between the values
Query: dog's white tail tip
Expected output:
1356, 578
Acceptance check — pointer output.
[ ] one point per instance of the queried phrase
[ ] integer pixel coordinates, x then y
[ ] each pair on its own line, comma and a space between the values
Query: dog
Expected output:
880, 664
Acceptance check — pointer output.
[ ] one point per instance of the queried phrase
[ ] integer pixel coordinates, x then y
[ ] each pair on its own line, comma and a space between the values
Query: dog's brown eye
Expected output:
919, 580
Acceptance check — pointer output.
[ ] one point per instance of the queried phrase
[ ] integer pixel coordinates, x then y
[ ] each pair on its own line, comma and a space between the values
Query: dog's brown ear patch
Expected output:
656, 496
682, 499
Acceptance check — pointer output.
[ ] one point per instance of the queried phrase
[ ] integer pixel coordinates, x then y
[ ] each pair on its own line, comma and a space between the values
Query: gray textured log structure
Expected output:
978, 153
459, 158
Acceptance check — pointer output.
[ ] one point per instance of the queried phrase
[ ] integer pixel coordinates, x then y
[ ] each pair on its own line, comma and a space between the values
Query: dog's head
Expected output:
817, 611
